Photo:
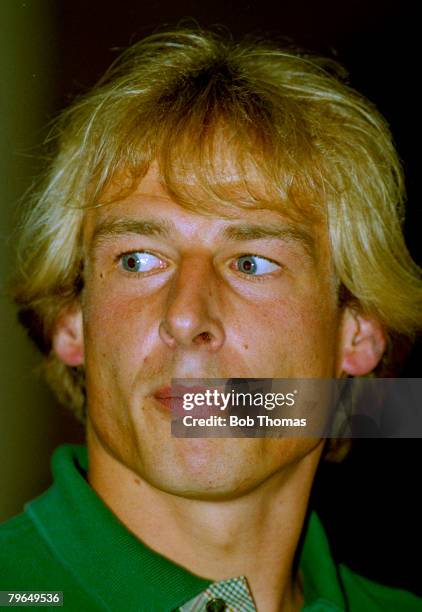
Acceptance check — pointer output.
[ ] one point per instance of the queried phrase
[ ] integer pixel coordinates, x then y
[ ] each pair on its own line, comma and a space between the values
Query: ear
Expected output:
68, 340
363, 341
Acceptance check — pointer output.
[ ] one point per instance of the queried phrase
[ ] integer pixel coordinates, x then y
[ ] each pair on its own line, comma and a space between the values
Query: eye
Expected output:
255, 266
140, 261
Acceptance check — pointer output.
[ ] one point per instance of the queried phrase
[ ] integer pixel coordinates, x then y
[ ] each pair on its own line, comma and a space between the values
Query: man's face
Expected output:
174, 294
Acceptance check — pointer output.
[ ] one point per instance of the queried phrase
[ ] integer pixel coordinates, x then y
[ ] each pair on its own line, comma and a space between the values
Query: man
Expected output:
214, 210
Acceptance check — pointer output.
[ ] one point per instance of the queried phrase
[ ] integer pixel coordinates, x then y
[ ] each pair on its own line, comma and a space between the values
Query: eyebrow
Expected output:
287, 233
110, 228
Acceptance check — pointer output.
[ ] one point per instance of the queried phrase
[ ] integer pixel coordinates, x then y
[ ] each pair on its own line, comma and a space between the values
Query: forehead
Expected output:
183, 199
147, 208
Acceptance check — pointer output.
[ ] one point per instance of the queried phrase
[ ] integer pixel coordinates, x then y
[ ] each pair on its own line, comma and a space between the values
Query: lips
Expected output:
164, 393
171, 398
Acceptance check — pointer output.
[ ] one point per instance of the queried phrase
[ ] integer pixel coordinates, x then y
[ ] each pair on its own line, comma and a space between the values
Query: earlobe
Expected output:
363, 343
68, 341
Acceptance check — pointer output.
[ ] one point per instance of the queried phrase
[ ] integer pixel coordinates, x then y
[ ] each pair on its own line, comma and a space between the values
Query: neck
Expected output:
254, 535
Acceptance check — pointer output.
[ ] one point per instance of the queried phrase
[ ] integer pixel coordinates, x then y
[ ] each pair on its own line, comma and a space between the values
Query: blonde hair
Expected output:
318, 148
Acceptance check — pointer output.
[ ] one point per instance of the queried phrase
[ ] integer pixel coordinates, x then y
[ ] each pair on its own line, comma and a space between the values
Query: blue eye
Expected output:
255, 266
140, 261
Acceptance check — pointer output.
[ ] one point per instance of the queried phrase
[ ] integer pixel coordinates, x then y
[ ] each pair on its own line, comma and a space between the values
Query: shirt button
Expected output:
216, 605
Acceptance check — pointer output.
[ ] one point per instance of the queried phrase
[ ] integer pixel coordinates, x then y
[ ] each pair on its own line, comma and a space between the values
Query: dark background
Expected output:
369, 504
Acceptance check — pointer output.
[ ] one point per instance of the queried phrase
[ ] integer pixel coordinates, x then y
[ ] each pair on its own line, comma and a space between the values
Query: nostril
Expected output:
203, 337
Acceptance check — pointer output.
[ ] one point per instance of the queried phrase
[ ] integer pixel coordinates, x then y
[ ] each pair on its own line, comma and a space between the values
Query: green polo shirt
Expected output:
68, 540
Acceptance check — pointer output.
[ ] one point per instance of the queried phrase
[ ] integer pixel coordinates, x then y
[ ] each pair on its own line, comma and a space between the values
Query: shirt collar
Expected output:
82, 532
320, 574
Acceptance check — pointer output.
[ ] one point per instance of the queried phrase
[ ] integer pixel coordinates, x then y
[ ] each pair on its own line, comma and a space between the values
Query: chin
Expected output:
209, 469
204, 490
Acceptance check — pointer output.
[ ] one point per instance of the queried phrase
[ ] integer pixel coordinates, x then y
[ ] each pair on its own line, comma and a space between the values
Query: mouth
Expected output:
171, 398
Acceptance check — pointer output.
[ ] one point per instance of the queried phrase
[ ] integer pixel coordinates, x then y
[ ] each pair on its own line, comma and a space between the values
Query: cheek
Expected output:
293, 337
118, 336
115, 320
113, 332
315, 334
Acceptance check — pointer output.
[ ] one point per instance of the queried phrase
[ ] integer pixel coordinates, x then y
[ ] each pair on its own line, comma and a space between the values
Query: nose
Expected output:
191, 318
